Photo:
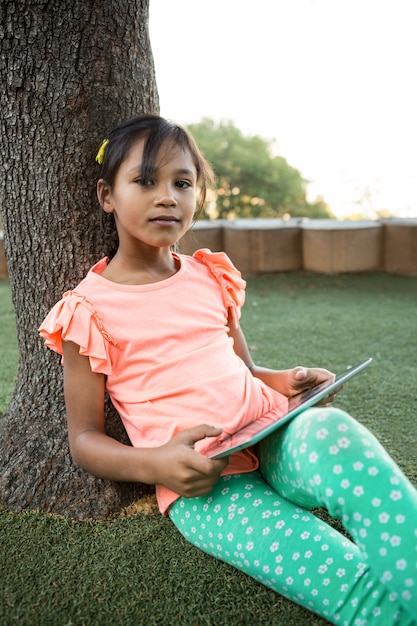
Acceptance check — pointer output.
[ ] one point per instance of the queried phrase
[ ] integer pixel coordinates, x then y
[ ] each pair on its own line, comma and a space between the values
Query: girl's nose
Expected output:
166, 195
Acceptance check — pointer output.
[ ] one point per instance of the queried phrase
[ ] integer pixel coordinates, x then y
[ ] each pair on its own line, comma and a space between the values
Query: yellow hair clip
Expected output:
102, 150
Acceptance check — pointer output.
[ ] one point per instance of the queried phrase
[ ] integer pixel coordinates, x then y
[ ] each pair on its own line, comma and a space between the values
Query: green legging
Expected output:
259, 522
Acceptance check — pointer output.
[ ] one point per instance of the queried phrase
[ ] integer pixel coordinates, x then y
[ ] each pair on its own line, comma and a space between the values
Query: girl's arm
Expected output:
288, 382
175, 465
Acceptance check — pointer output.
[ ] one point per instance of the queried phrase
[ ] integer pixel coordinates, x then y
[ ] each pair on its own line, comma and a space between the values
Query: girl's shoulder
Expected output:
75, 318
228, 277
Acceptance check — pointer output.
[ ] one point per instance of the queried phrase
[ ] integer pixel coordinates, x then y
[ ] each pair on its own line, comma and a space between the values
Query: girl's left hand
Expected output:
303, 378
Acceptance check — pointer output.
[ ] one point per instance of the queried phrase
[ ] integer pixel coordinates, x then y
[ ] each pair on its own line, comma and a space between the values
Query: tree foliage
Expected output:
250, 180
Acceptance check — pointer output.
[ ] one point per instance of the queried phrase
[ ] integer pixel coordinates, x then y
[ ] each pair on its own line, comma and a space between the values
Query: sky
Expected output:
331, 82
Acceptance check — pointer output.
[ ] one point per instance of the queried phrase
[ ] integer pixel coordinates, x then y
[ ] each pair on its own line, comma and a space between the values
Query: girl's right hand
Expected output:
177, 466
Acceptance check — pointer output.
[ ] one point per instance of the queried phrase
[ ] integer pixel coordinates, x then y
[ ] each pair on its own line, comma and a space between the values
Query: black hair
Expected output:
155, 131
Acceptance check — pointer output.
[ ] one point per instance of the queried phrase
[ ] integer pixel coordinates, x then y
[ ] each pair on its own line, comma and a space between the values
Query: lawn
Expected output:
8, 345
135, 569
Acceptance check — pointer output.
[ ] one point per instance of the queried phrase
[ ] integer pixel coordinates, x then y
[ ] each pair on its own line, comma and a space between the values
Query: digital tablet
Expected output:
252, 433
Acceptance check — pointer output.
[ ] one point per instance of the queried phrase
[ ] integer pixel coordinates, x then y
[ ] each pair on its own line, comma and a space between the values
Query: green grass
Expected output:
135, 569
8, 345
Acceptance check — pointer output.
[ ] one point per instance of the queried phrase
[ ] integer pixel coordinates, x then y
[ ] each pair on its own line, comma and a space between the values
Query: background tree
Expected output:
251, 181
69, 72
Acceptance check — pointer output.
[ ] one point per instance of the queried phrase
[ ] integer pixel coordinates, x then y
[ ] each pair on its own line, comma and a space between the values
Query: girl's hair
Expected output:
156, 132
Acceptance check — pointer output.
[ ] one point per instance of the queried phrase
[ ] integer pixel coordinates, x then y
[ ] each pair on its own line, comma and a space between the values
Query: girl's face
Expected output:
157, 211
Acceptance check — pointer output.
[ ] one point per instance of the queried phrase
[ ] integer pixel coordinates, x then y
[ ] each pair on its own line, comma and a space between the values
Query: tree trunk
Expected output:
70, 71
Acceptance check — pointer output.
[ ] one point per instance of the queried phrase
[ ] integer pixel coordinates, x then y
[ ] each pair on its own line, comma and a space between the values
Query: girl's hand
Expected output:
303, 378
177, 466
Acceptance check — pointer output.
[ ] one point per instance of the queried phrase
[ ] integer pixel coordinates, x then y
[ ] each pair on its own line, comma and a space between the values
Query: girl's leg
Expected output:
325, 458
248, 525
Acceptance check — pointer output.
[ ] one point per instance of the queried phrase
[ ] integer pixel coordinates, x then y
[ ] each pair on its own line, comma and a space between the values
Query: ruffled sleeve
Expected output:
74, 319
229, 279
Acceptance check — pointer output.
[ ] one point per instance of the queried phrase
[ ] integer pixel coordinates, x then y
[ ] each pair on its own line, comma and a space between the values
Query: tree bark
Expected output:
70, 71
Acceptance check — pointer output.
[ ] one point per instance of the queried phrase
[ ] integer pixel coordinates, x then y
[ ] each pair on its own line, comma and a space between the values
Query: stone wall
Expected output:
322, 246
258, 246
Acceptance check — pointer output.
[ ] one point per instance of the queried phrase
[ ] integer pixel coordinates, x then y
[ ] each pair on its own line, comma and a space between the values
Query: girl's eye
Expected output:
183, 184
144, 182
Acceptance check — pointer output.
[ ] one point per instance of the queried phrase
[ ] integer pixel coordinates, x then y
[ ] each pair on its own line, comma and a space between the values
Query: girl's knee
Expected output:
317, 415
317, 433
327, 425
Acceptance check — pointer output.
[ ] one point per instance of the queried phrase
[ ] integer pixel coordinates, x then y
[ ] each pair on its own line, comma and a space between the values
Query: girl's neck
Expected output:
141, 269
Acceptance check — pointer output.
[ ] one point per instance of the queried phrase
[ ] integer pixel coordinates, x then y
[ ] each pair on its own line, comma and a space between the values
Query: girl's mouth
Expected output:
165, 220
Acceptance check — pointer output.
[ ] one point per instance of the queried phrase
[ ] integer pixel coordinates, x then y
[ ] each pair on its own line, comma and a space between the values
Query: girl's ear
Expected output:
104, 196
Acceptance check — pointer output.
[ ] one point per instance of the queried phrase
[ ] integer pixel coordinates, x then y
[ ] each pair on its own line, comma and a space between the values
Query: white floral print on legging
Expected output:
260, 523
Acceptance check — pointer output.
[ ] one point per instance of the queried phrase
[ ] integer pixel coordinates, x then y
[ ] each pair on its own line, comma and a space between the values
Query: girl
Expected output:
159, 332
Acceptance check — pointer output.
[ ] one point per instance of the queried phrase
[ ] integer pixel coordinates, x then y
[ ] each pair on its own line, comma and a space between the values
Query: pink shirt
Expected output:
166, 353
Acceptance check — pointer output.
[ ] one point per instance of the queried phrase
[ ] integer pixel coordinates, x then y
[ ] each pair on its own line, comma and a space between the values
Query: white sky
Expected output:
333, 82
